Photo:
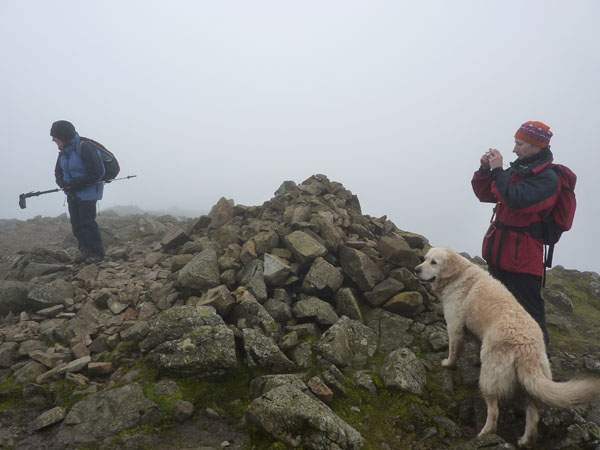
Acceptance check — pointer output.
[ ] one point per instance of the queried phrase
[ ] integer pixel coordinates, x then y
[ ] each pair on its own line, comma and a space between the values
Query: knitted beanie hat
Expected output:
536, 133
63, 130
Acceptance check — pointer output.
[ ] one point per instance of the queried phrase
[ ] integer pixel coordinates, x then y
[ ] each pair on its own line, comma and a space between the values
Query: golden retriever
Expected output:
512, 346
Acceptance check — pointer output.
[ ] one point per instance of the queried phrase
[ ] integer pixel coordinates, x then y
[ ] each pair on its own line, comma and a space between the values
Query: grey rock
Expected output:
322, 279
182, 411
262, 352
296, 214
29, 346
74, 366
280, 311
393, 331
166, 388
276, 270
251, 314
360, 268
13, 297
48, 418
221, 213
226, 236
220, 298
302, 355
408, 304
251, 276
315, 309
348, 343
284, 410
106, 414
559, 299
53, 293
396, 250
346, 304
175, 237
29, 372
401, 369
286, 187
137, 332
384, 291
363, 379
8, 354
202, 272
305, 247
263, 384
36, 269
189, 340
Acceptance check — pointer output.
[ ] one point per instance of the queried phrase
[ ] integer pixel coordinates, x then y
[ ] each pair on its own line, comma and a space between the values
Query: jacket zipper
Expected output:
517, 245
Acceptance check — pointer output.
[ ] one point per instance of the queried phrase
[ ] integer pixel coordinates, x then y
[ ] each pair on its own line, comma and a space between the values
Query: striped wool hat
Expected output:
536, 133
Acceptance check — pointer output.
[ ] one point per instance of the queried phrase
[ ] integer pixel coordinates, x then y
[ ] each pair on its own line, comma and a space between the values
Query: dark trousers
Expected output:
84, 226
527, 289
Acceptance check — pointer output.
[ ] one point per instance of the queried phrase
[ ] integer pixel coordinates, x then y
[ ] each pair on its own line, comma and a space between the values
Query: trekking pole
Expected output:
121, 178
23, 197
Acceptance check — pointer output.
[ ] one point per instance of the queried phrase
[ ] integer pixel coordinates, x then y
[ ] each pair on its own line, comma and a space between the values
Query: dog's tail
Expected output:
564, 394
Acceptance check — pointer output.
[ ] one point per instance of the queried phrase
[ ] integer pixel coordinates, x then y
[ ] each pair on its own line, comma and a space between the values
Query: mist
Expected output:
396, 100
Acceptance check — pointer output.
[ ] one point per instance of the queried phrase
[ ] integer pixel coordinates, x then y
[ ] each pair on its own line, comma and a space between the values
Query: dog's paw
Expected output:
524, 442
447, 362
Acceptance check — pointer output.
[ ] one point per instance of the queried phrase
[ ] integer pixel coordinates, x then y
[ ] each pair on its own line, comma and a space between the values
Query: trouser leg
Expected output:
74, 216
527, 289
85, 228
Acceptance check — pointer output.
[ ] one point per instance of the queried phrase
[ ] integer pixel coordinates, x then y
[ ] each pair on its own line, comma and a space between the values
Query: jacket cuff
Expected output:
497, 171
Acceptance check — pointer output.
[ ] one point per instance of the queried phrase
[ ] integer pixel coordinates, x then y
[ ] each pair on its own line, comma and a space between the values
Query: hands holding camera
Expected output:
491, 159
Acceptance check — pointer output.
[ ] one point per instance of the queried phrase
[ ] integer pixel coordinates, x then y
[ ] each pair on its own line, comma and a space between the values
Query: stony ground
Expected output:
198, 433
49, 233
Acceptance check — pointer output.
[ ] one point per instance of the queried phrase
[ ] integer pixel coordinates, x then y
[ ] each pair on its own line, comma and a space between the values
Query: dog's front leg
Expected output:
456, 337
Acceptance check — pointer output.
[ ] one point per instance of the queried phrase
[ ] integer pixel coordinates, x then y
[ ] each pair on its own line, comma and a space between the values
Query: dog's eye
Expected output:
433, 262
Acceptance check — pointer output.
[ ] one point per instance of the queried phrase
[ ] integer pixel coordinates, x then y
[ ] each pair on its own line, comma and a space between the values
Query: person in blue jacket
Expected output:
78, 171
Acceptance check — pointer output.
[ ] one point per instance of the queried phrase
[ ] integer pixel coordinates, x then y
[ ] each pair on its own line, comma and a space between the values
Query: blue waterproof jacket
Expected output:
81, 169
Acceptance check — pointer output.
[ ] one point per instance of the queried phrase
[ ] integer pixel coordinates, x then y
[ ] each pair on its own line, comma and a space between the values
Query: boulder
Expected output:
304, 247
285, 410
346, 304
384, 291
315, 309
220, 298
262, 352
395, 249
360, 268
192, 341
13, 297
251, 276
402, 370
221, 213
348, 343
106, 414
392, 331
323, 279
175, 237
202, 272
276, 270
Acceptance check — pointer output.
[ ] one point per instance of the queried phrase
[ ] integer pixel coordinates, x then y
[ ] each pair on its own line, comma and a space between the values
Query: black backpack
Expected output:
111, 165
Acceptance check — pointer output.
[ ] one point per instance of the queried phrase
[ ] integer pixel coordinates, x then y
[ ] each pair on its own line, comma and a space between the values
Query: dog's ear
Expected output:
451, 265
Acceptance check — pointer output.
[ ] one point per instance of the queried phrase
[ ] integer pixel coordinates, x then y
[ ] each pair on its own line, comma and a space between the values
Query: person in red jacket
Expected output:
523, 193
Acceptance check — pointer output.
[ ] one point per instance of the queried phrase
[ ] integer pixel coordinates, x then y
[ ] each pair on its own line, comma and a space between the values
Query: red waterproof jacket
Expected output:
522, 192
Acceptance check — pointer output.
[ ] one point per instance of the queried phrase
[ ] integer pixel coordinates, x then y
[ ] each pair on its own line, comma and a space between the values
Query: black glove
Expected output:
76, 184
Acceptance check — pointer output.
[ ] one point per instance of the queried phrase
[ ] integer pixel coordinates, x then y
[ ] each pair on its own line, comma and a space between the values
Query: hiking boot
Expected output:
93, 259
81, 257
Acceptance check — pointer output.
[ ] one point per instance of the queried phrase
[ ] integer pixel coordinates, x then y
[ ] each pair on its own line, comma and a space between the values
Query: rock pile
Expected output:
305, 290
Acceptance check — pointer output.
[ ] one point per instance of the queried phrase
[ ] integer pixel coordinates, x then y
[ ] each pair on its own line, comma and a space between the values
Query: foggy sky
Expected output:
397, 100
